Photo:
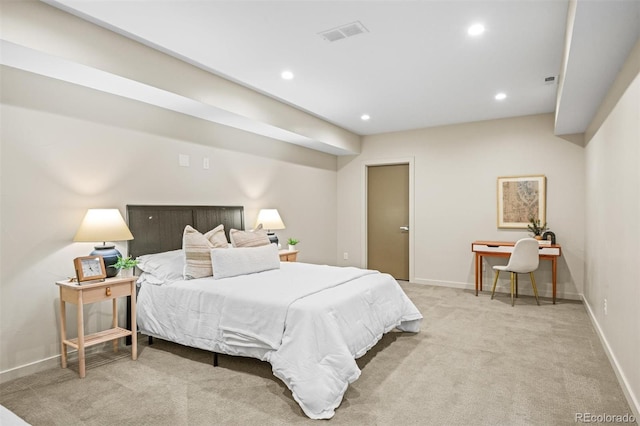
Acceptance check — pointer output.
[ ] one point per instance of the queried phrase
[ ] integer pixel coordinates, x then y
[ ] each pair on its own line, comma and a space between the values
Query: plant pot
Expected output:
291, 248
126, 273
538, 237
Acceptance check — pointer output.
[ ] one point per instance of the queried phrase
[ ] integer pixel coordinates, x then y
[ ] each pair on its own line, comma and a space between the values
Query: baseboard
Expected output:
452, 284
45, 364
622, 379
500, 288
31, 368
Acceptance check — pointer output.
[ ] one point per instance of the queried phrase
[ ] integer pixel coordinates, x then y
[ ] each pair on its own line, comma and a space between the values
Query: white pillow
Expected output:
161, 268
244, 260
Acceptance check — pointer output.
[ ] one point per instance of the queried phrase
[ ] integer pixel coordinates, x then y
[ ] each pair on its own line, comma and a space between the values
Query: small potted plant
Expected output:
536, 228
292, 243
125, 265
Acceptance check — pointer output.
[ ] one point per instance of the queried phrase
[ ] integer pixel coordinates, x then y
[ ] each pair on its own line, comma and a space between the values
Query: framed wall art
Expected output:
521, 198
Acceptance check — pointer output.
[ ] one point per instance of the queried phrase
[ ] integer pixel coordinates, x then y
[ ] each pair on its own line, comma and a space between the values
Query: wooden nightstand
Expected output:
91, 292
288, 255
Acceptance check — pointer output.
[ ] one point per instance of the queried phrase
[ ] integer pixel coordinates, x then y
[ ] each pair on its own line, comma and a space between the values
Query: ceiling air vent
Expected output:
550, 80
344, 31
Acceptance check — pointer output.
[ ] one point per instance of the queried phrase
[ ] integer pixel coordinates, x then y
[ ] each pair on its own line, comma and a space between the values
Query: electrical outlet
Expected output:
345, 255
205, 163
183, 160
605, 306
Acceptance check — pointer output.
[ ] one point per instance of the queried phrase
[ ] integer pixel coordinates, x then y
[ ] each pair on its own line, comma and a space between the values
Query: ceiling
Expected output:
414, 65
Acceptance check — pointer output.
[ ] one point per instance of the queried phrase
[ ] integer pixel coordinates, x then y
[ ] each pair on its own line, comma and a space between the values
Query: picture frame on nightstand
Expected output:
89, 268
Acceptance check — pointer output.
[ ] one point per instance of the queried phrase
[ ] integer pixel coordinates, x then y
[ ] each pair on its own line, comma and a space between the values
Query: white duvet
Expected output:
309, 321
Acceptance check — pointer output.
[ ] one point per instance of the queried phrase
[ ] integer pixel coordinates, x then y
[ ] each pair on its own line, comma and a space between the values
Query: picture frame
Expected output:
521, 198
89, 268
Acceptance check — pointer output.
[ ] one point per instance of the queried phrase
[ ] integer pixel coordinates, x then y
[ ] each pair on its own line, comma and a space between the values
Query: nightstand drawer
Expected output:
92, 295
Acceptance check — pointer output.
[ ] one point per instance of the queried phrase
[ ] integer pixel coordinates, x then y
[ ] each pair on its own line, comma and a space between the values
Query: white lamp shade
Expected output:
270, 219
103, 225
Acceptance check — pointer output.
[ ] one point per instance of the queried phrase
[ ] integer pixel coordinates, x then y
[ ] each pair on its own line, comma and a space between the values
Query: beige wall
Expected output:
612, 228
456, 168
61, 37
66, 149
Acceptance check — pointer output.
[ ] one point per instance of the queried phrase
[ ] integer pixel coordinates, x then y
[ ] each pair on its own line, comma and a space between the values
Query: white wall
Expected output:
77, 50
456, 169
613, 234
66, 148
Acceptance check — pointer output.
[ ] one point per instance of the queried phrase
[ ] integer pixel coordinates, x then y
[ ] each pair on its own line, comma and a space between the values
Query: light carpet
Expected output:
476, 362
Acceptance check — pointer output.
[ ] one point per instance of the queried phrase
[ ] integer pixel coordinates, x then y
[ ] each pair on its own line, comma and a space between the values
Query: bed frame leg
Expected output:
215, 359
150, 340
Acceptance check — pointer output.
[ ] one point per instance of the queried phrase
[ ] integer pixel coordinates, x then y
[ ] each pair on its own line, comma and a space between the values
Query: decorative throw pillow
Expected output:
245, 260
255, 238
197, 250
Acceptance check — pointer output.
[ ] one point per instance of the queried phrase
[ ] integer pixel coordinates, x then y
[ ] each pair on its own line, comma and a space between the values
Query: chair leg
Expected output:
495, 281
513, 283
516, 285
535, 290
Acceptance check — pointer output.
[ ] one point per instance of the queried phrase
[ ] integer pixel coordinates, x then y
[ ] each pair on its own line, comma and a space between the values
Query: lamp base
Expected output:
110, 256
272, 237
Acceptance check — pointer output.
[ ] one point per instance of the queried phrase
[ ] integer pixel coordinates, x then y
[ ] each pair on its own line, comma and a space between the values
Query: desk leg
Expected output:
554, 272
479, 273
475, 273
81, 367
63, 331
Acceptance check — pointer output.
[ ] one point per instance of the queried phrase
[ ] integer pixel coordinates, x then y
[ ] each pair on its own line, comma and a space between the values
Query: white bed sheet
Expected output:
309, 321
9, 418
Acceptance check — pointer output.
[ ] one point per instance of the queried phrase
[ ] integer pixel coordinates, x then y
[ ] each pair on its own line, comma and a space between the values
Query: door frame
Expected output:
365, 184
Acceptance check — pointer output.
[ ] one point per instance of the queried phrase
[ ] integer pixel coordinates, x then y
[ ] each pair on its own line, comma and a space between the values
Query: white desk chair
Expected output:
523, 260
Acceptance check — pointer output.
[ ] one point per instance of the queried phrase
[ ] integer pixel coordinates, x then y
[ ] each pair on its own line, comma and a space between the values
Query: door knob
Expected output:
404, 228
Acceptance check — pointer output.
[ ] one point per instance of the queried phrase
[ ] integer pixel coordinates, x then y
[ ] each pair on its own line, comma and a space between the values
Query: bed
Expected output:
310, 322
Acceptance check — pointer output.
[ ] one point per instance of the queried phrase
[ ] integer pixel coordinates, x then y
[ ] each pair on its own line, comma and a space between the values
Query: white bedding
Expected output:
309, 321
8, 418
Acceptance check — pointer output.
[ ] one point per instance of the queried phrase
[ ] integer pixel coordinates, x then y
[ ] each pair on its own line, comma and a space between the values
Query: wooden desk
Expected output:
504, 249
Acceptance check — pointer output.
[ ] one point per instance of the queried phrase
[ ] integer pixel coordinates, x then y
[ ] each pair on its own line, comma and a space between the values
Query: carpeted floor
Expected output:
476, 362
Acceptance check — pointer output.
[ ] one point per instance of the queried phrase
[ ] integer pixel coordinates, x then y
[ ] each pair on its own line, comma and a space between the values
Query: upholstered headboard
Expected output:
159, 228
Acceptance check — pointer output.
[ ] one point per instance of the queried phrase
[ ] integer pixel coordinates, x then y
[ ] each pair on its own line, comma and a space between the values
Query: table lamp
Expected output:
270, 220
104, 225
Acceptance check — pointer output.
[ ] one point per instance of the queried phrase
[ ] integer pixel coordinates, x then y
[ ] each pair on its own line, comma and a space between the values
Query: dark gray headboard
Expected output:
159, 228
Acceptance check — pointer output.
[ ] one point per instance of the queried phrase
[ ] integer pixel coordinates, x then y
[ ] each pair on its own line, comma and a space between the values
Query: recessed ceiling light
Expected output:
365, 117
500, 96
287, 75
475, 30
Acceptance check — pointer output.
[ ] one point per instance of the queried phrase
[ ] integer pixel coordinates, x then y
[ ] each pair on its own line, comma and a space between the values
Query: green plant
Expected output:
536, 227
125, 263
293, 241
